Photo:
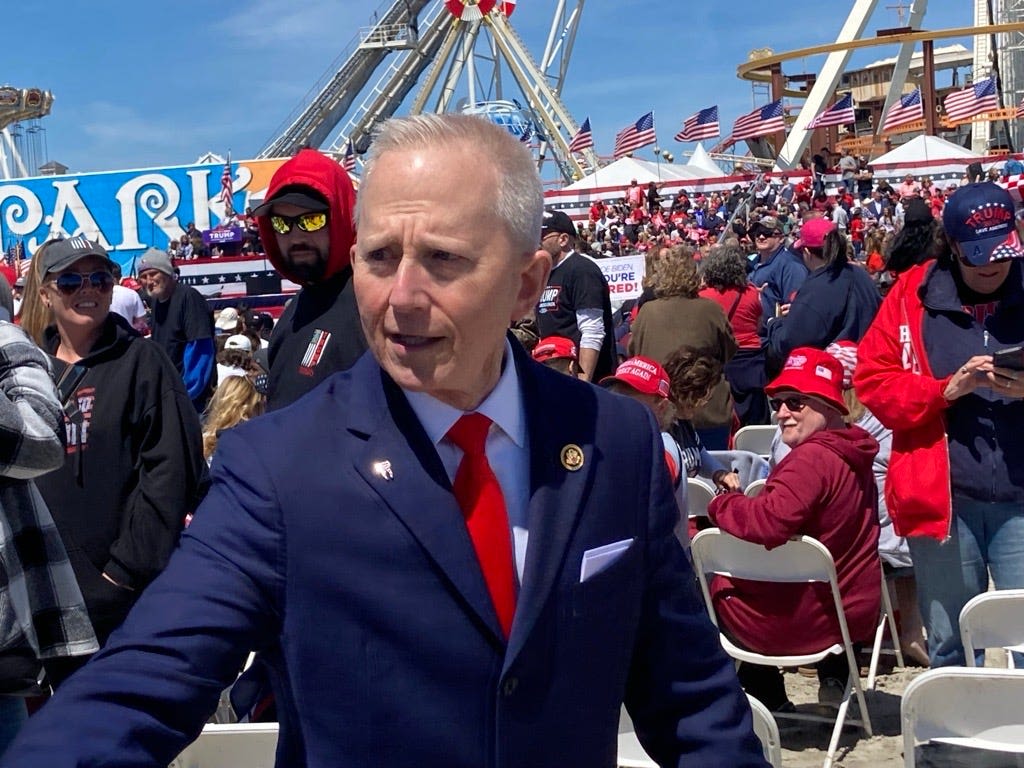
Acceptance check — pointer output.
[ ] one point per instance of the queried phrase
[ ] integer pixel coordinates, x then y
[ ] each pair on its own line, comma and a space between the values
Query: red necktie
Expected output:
483, 505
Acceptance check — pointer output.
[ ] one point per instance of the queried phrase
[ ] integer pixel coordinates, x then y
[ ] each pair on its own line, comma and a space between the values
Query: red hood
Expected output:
853, 444
312, 169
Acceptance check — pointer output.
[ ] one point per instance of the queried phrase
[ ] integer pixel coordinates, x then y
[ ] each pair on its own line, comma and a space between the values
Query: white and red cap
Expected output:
846, 353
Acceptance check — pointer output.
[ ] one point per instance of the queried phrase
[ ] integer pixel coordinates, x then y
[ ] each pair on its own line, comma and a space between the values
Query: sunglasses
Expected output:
794, 403
307, 222
71, 282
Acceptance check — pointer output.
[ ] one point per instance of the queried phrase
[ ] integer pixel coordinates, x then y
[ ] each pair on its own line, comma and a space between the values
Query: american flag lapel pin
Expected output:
382, 469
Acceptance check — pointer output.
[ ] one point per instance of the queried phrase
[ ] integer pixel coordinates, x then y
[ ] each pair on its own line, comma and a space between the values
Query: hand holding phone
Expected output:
1011, 358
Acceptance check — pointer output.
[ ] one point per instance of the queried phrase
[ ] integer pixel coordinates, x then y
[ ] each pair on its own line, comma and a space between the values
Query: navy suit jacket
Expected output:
366, 595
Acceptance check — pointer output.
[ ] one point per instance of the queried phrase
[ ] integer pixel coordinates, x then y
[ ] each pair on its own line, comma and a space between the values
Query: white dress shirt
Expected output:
507, 448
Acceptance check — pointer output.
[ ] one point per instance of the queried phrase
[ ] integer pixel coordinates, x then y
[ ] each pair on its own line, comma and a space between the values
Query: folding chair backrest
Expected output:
800, 560
698, 495
993, 620
756, 438
755, 488
230, 746
967, 707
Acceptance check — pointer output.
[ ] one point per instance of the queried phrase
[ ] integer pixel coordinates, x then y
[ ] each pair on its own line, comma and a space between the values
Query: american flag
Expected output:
906, 111
703, 125
348, 162
634, 136
973, 100
1020, 110
760, 122
584, 138
840, 113
227, 189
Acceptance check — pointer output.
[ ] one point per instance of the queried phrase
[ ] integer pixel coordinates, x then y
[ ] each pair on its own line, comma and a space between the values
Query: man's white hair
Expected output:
518, 194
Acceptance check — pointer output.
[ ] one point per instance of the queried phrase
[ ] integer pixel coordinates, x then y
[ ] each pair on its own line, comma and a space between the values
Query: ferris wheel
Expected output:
439, 56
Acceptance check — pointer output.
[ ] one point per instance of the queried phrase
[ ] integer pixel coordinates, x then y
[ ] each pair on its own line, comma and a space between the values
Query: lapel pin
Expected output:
382, 469
572, 457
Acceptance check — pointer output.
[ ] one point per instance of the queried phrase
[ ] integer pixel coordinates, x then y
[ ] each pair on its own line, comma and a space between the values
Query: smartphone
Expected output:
1011, 357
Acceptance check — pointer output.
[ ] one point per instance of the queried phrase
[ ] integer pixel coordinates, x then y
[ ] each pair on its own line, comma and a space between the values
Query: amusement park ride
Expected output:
18, 105
431, 45
465, 55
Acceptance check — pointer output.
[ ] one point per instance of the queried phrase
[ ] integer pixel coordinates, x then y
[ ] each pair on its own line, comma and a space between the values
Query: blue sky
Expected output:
151, 84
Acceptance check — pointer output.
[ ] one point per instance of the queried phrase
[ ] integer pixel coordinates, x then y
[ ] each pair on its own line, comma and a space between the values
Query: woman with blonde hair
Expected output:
132, 468
235, 400
679, 317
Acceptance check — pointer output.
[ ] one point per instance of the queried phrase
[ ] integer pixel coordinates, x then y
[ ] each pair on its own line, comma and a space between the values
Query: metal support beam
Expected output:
825, 85
899, 75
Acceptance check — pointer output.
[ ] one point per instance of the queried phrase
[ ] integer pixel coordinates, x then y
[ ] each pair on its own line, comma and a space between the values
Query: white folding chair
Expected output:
699, 494
993, 620
767, 732
230, 746
888, 617
632, 755
755, 488
757, 438
977, 708
801, 560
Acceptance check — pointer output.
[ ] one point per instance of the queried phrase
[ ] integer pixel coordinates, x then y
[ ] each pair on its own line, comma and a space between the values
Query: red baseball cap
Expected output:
642, 374
812, 234
812, 372
554, 347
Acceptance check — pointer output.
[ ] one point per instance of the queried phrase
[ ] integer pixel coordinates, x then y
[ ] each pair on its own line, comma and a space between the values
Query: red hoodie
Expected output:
825, 488
312, 169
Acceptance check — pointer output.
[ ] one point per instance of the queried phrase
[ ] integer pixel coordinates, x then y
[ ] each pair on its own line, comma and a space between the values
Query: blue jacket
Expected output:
364, 587
781, 275
985, 429
831, 305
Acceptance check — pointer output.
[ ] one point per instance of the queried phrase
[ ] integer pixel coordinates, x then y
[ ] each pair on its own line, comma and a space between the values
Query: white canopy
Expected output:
925, 149
625, 169
702, 162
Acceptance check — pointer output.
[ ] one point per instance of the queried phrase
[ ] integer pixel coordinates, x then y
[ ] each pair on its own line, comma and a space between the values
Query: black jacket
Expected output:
831, 305
134, 468
318, 334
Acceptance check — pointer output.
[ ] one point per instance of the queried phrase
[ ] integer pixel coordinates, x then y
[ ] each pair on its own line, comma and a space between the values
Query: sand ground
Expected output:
805, 745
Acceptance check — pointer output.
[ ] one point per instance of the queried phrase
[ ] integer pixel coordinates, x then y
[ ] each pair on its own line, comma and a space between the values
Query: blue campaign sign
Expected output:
125, 211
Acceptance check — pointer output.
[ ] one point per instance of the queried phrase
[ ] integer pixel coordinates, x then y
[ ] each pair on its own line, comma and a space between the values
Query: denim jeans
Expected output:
984, 537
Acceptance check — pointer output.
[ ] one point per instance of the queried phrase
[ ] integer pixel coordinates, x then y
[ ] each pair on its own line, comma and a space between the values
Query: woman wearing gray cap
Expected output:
929, 369
134, 459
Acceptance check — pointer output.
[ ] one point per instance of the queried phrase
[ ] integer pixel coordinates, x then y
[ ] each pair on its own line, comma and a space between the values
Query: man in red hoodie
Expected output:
307, 229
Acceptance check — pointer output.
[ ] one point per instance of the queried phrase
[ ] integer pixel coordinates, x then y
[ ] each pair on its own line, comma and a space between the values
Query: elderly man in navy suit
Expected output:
451, 555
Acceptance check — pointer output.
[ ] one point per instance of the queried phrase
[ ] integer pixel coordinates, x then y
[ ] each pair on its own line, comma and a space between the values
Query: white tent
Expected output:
925, 148
925, 156
625, 169
700, 161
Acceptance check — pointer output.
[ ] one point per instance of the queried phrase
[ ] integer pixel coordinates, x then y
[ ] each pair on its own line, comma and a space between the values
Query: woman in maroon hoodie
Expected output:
824, 488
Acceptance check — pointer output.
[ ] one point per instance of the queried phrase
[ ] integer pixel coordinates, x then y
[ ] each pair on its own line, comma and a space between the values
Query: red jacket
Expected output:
825, 488
894, 380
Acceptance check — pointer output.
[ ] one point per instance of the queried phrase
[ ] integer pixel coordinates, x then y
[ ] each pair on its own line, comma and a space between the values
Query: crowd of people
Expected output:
382, 489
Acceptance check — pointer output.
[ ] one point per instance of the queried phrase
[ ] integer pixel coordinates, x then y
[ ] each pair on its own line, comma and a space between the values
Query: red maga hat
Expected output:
811, 372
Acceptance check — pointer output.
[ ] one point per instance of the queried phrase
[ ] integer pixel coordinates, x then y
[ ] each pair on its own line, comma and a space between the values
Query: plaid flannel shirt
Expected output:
40, 602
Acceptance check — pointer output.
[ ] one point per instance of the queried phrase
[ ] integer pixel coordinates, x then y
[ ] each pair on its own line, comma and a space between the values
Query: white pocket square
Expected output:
597, 559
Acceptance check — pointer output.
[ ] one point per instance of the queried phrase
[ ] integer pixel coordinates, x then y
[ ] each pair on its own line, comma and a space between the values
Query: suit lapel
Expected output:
557, 492
418, 491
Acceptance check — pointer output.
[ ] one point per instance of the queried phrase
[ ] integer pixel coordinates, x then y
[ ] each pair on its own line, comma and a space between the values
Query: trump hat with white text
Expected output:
811, 372
644, 375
